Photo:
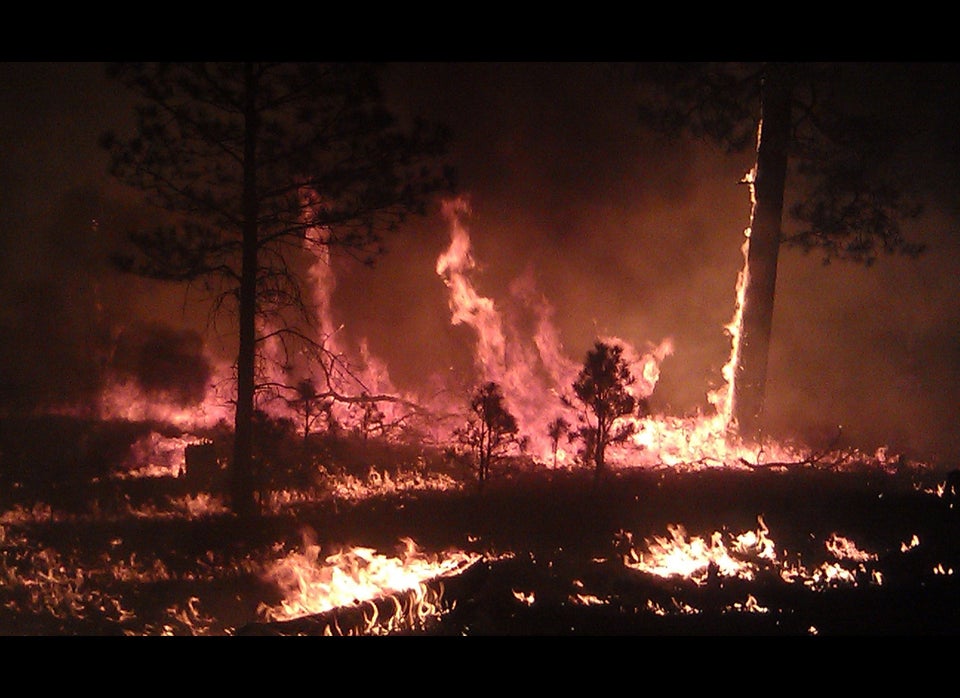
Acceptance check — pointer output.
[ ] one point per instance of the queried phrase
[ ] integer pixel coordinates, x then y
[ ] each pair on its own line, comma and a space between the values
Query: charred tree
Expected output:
824, 156
249, 161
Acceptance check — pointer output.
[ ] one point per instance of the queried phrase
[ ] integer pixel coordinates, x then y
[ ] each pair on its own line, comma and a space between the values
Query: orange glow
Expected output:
526, 358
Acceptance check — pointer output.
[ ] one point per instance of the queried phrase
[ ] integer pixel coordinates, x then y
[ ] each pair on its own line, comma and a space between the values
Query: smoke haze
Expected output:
619, 231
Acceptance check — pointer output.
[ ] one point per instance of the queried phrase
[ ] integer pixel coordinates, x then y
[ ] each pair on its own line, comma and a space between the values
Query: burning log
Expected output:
399, 611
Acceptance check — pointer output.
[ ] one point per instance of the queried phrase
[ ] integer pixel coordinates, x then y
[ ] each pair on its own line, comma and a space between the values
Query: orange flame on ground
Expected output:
696, 558
312, 585
845, 549
741, 556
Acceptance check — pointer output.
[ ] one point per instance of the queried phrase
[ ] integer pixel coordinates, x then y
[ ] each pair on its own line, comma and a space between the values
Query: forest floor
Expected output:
813, 551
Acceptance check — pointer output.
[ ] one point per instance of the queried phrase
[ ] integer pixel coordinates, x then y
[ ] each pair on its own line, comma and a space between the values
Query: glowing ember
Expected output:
845, 549
914, 542
526, 598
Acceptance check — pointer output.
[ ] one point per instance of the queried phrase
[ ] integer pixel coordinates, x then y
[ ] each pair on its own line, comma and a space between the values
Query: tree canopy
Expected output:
848, 197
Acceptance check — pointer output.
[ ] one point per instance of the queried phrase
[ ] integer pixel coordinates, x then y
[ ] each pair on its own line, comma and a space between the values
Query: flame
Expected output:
526, 598
588, 600
157, 455
678, 607
311, 585
698, 559
722, 398
521, 371
533, 372
740, 556
845, 549
914, 542
121, 400
517, 346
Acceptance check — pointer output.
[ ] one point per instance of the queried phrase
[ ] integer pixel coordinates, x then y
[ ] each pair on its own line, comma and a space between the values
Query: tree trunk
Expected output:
601, 444
750, 374
243, 499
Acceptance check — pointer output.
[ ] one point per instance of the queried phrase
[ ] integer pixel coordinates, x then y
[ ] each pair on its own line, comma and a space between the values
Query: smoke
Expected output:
870, 355
164, 363
72, 324
56, 329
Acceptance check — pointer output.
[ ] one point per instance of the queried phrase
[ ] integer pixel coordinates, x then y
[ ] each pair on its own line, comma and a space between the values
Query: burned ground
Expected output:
551, 547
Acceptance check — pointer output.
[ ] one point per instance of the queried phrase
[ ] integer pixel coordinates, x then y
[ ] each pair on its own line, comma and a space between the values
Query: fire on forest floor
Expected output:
644, 551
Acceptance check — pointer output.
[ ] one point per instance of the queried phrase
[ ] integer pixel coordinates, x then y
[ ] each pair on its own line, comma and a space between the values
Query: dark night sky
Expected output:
624, 233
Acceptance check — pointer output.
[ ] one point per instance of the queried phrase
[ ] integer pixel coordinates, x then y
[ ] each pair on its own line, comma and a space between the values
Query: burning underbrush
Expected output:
395, 541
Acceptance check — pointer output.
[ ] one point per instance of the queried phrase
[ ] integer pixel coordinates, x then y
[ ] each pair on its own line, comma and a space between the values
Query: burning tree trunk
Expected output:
850, 196
769, 179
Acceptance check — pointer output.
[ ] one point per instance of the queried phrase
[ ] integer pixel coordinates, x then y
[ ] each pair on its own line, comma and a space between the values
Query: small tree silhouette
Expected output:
371, 419
490, 430
309, 406
602, 388
556, 430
